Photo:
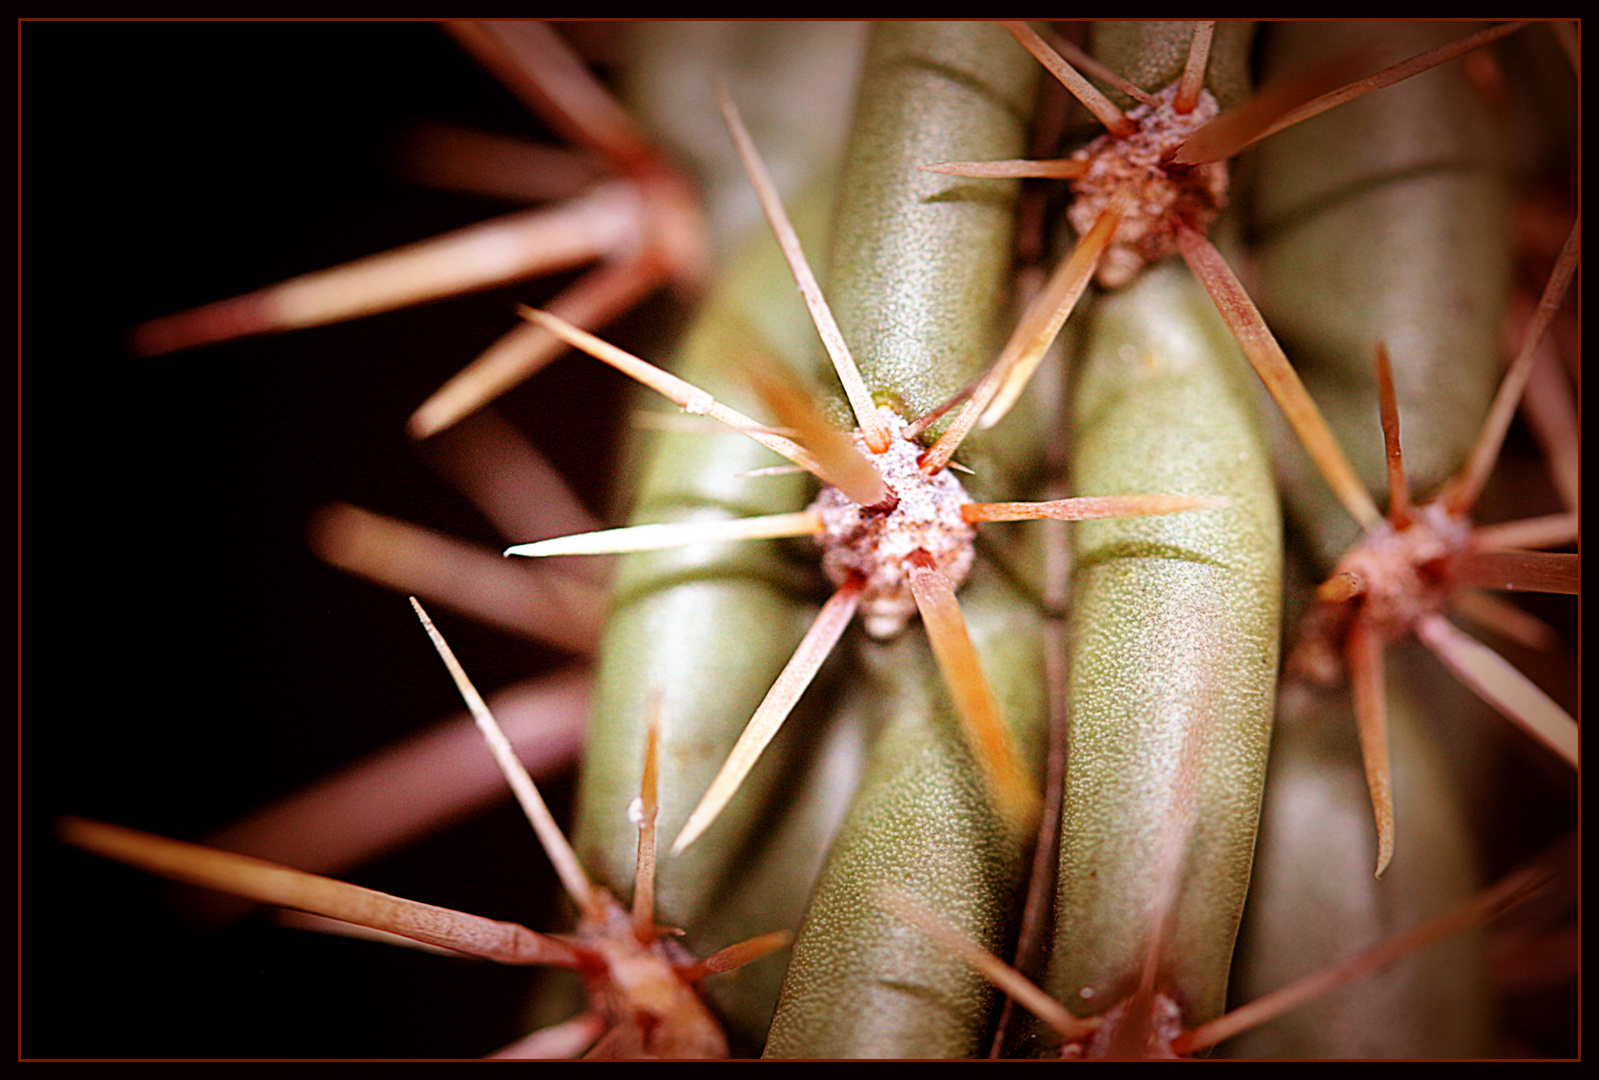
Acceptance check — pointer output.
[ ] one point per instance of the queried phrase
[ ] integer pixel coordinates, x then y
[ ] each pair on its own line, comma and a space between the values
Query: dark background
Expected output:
184, 658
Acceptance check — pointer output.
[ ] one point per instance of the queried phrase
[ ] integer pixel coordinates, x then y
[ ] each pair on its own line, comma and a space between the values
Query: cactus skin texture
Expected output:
709, 627
1397, 205
1314, 896
1174, 662
921, 819
1387, 219
205, 467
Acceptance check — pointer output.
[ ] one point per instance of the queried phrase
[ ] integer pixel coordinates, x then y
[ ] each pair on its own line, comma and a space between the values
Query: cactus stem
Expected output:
1209, 145
1105, 110
877, 433
774, 709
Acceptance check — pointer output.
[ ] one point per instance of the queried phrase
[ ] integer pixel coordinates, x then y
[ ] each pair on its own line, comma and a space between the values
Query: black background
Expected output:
184, 657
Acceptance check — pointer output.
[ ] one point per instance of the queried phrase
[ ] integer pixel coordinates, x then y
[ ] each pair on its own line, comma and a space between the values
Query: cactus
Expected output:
224, 493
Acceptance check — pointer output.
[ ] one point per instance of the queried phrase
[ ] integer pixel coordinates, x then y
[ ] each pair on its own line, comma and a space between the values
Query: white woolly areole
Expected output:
1402, 572
1163, 195
1400, 576
877, 543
